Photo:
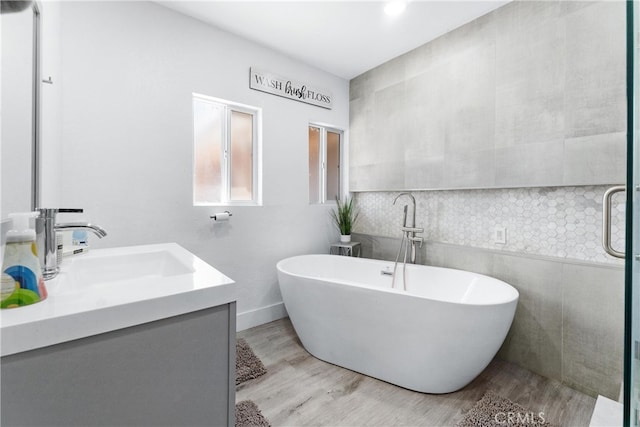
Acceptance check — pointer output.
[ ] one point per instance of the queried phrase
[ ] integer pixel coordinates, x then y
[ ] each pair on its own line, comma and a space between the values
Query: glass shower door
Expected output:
632, 264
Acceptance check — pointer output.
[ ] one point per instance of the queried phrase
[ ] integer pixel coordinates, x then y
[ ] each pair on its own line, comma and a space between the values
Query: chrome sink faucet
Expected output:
46, 228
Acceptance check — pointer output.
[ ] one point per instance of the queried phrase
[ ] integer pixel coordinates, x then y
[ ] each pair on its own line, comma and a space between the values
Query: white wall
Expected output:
128, 72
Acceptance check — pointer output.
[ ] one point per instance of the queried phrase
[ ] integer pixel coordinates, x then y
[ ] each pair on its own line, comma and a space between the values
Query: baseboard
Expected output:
260, 316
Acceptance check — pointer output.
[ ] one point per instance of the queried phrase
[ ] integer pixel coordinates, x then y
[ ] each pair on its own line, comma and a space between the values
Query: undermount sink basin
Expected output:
134, 269
109, 289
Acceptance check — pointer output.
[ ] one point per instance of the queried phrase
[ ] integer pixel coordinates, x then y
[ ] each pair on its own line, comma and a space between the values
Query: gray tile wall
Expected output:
569, 322
530, 95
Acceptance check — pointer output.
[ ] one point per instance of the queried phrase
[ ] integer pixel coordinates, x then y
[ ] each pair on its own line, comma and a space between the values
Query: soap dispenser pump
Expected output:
22, 281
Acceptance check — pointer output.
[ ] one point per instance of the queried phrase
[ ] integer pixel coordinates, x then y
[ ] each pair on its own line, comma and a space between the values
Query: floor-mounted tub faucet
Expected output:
409, 232
46, 228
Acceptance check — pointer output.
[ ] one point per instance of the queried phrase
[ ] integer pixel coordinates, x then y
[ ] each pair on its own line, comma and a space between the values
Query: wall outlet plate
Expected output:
500, 235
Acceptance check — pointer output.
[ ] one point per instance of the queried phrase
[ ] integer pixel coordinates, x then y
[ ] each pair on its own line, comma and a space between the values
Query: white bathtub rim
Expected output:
514, 297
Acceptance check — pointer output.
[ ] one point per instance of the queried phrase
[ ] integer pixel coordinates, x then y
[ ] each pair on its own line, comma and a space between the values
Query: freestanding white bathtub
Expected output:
436, 337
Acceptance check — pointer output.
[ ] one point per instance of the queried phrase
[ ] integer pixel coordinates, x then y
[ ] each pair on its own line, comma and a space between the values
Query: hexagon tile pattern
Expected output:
564, 222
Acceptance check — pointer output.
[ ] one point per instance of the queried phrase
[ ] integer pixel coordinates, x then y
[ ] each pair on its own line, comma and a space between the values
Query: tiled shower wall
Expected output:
564, 222
529, 95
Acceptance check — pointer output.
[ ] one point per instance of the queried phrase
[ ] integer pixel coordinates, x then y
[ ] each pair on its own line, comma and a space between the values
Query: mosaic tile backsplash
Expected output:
563, 222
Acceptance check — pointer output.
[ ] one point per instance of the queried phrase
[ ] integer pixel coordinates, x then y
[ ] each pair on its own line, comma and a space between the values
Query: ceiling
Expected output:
344, 38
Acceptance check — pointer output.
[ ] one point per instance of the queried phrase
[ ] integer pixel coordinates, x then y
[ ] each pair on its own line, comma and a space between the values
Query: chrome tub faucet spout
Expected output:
413, 202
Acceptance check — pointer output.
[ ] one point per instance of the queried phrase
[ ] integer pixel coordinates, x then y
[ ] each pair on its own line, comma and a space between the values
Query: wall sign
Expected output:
287, 88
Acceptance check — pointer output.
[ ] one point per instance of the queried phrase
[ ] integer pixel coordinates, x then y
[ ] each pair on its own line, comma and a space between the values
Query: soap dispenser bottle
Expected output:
22, 281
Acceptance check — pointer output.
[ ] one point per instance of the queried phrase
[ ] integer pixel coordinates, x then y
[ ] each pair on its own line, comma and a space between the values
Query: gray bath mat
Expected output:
494, 410
248, 415
248, 366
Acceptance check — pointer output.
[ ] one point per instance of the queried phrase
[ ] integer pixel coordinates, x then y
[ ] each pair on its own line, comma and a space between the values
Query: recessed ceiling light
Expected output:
395, 8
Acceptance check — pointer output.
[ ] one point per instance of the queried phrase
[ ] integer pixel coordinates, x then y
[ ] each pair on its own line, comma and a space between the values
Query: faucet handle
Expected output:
413, 229
419, 240
50, 213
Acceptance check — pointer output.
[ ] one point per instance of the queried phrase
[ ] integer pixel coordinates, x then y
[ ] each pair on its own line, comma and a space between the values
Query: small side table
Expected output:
346, 249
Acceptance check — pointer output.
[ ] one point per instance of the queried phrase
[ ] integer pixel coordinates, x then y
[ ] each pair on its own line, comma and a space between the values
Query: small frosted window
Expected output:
314, 165
333, 165
208, 129
226, 152
324, 164
241, 156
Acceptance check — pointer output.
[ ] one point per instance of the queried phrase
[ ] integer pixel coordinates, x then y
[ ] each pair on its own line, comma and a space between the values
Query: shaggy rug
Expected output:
248, 415
248, 366
494, 410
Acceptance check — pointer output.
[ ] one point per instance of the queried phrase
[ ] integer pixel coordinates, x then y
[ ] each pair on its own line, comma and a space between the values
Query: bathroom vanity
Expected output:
128, 336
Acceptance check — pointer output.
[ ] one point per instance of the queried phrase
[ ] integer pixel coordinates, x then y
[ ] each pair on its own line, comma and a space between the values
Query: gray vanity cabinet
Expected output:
178, 371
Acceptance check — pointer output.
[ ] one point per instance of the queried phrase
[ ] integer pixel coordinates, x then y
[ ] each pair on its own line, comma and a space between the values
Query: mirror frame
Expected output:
35, 136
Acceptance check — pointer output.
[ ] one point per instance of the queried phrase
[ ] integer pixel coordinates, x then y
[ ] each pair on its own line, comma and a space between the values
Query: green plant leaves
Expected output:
345, 215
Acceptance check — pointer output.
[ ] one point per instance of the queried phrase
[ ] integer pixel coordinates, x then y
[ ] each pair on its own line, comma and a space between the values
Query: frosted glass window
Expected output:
333, 165
314, 165
241, 156
325, 152
226, 153
208, 127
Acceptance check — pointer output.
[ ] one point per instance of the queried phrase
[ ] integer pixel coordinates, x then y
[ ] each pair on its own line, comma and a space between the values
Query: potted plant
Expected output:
345, 216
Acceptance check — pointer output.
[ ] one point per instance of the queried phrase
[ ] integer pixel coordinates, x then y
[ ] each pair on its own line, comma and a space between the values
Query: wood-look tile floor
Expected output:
300, 390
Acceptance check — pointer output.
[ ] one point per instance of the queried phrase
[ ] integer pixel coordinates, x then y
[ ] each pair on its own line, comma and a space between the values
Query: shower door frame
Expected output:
632, 243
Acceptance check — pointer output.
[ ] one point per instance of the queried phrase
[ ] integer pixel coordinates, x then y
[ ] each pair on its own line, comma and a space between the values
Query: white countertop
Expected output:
73, 310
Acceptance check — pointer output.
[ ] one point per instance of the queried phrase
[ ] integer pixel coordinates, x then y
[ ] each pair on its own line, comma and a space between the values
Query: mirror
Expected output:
20, 27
